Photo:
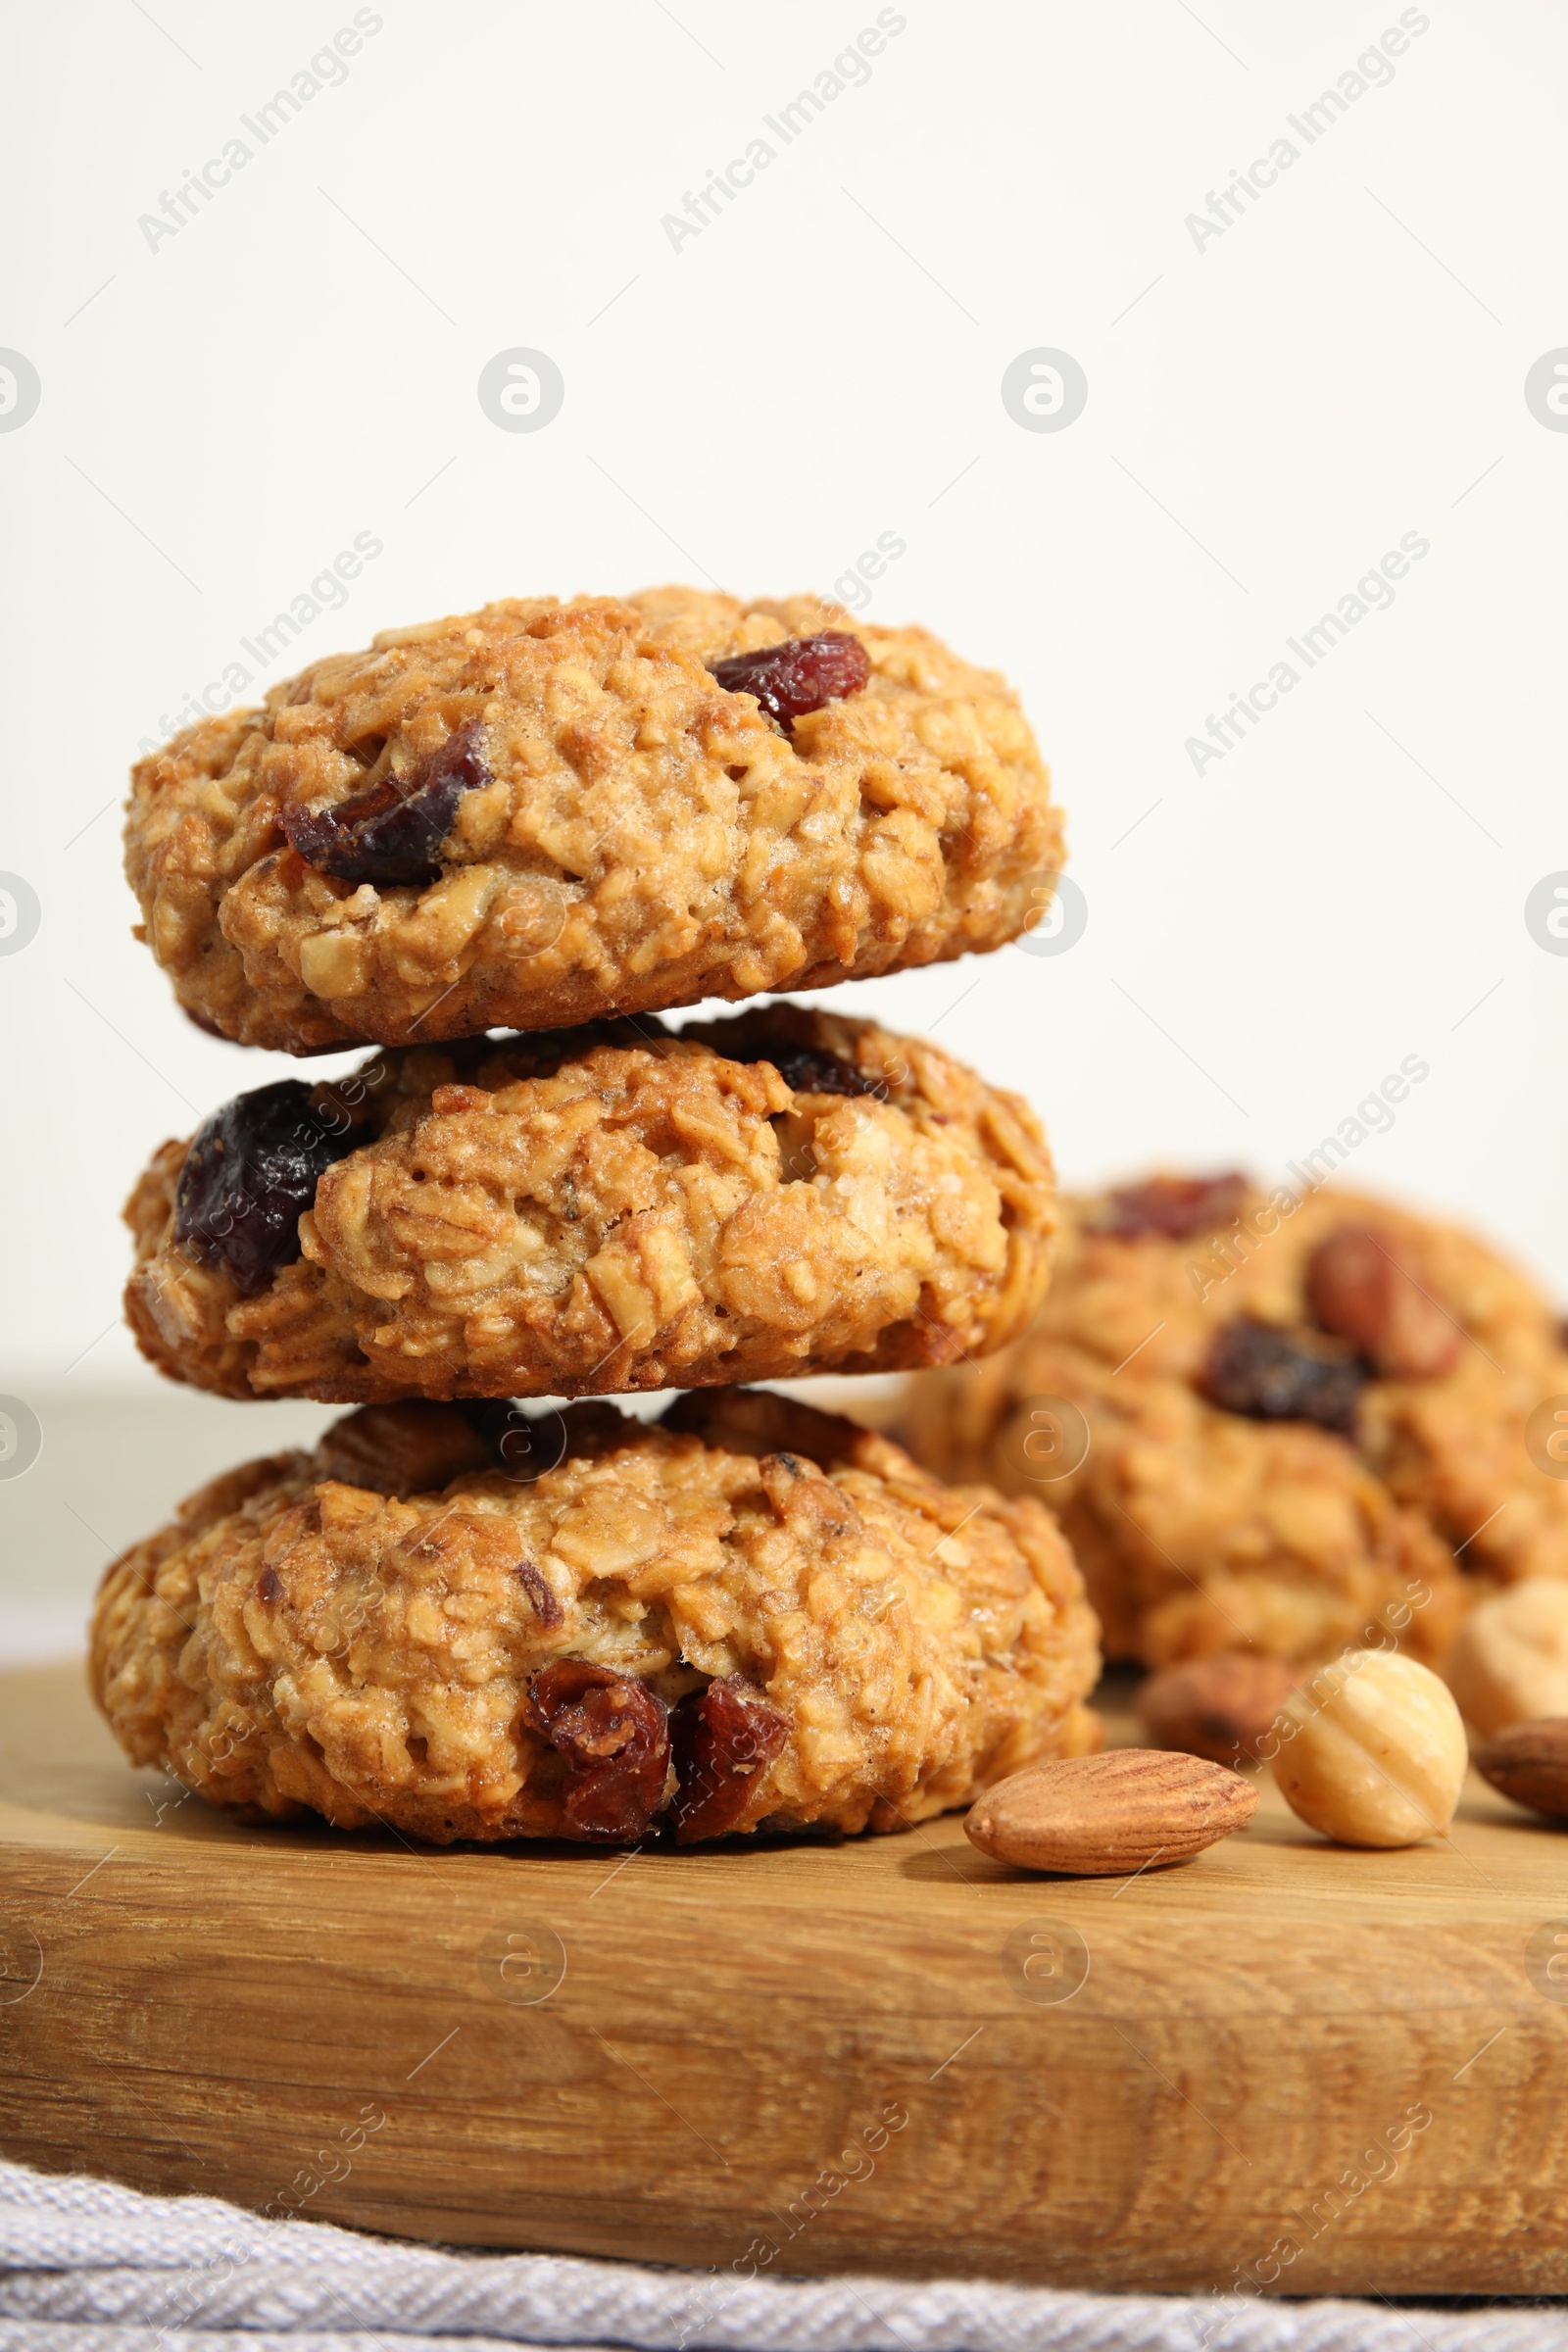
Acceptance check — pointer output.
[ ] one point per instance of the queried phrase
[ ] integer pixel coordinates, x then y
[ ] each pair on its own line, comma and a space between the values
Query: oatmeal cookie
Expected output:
605, 1209
748, 1616
1301, 1415
544, 814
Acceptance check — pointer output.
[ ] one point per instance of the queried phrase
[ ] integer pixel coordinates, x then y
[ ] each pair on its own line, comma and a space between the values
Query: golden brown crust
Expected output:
1198, 1529
293, 1641
650, 839
548, 1217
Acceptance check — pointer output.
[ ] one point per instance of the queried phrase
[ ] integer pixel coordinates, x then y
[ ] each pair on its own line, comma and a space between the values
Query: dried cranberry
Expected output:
804, 1069
723, 1738
799, 676
393, 831
1273, 1375
614, 1737
522, 1444
1172, 1206
249, 1175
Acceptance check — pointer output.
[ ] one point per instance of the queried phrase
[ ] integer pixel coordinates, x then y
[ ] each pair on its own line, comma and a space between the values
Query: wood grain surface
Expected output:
1283, 2066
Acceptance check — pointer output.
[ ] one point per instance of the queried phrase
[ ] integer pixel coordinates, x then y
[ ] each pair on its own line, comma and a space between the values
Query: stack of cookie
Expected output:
497, 847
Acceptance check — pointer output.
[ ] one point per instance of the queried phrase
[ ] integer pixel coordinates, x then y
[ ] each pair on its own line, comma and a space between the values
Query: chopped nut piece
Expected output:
1219, 1707
1363, 1288
409, 1448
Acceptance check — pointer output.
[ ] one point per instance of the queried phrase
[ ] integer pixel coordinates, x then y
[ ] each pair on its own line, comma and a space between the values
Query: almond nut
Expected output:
1219, 1707
1103, 1816
1529, 1762
1363, 1287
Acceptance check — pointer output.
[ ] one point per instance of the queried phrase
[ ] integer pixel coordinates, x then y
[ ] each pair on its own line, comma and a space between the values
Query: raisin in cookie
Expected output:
1300, 1415
751, 1615
605, 1209
542, 814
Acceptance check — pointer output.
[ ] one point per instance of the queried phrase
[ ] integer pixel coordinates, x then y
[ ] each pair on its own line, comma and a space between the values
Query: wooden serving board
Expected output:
1288, 2066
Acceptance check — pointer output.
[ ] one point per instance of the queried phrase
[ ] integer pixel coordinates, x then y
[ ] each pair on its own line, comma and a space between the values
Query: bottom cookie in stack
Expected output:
1270, 1421
747, 1616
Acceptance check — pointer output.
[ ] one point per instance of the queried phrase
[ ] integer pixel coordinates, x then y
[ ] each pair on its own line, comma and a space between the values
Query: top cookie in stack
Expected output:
541, 813
560, 817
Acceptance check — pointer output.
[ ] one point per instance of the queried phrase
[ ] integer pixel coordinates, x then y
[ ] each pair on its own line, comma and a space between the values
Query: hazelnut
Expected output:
1219, 1707
1372, 1750
1363, 1287
1509, 1662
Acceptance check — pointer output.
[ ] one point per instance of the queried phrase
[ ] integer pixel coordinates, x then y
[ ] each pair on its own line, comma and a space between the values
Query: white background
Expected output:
1266, 415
